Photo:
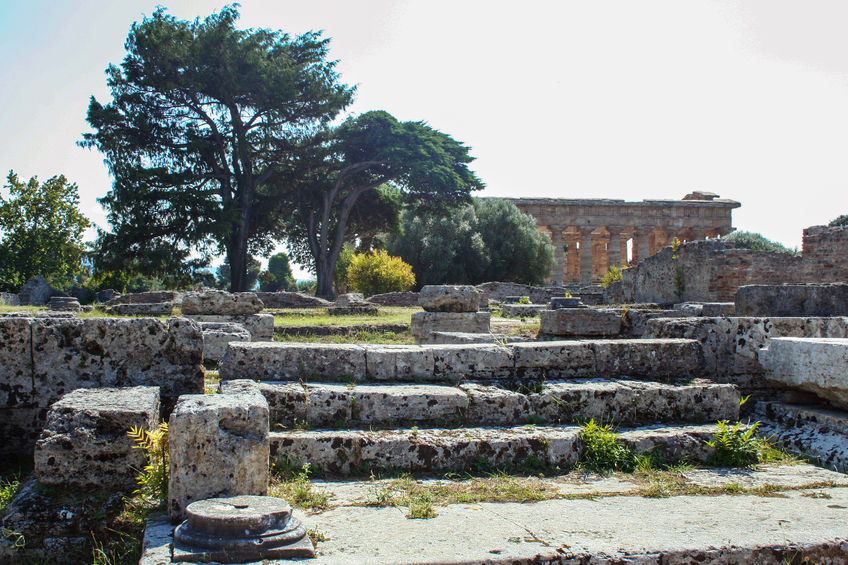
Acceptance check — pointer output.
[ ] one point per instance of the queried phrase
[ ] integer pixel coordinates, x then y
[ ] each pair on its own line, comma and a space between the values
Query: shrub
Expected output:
614, 274
378, 272
735, 447
602, 451
756, 242
153, 479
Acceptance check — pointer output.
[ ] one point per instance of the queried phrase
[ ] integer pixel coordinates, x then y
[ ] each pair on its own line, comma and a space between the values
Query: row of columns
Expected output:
646, 242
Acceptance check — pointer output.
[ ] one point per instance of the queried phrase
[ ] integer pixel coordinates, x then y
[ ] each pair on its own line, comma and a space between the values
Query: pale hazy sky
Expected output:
593, 99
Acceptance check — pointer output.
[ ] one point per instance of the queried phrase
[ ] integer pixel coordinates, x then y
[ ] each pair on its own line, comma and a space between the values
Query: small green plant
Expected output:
675, 244
299, 491
153, 479
421, 507
8, 489
524, 300
734, 445
601, 450
614, 274
316, 535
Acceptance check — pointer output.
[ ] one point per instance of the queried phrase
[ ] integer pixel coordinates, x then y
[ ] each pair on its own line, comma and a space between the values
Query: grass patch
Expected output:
212, 382
319, 317
9, 488
297, 490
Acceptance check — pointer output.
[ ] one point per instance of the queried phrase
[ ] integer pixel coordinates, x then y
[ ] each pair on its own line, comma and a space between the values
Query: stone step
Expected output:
345, 452
820, 434
384, 405
655, 358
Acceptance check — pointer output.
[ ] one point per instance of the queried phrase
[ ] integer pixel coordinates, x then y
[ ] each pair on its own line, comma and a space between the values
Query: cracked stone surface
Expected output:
450, 298
817, 365
85, 441
422, 324
218, 446
293, 361
221, 302
260, 326
575, 322
217, 335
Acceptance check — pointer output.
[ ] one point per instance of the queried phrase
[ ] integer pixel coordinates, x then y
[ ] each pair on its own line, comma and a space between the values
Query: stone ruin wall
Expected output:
44, 358
712, 271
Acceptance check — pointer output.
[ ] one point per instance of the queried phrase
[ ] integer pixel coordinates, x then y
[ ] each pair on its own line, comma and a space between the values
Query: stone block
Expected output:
219, 446
85, 441
454, 362
293, 361
718, 309
142, 309
64, 304
16, 383
286, 400
399, 363
384, 405
9, 299
152, 297
404, 299
495, 406
424, 323
216, 337
37, 291
260, 326
436, 338
672, 444
222, 303
284, 299
793, 300
116, 352
580, 322
449, 298
522, 310
817, 365
651, 358
554, 359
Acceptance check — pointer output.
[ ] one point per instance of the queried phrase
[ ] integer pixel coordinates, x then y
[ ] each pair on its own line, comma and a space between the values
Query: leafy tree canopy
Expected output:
203, 116
41, 228
756, 242
487, 240
364, 153
839, 221
279, 274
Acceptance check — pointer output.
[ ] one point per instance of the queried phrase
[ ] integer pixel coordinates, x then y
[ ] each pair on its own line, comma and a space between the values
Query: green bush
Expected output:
602, 451
735, 447
756, 242
378, 272
614, 274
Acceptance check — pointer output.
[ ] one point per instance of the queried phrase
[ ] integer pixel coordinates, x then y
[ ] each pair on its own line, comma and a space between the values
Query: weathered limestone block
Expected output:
85, 441
216, 337
284, 299
11, 299
653, 358
399, 363
559, 302
37, 291
286, 400
453, 362
718, 309
344, 452
635, 402
218, 447
495, 406
384, 405
116, 352
16, 386
293, 361
64, 304
522, 310
580, 322
260, 326
449, 298
554, 359
142, 309
222, 303
405, 299
424, 323
436, 338
151, 297
817, 365
793, 300
672, 444
819, 434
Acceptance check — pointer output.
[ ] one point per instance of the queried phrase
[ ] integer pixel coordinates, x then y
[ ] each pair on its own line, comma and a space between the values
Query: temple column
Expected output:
559, 255
643, 244
586, 257
615, 248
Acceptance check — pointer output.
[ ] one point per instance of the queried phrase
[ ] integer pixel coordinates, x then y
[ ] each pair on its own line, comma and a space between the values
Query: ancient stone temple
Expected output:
589, 236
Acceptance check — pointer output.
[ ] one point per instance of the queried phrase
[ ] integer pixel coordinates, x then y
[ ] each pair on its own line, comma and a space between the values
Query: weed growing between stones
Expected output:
735, 446
9, 487
153, 479
298, 490
601, 450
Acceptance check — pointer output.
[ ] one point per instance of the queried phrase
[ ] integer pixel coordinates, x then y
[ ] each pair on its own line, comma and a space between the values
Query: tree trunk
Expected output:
324, 274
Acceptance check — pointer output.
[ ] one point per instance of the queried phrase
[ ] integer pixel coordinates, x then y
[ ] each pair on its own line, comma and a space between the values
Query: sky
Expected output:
562, 99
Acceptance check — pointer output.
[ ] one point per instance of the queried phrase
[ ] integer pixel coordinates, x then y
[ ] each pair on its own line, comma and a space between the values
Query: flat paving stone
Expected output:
797, 524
